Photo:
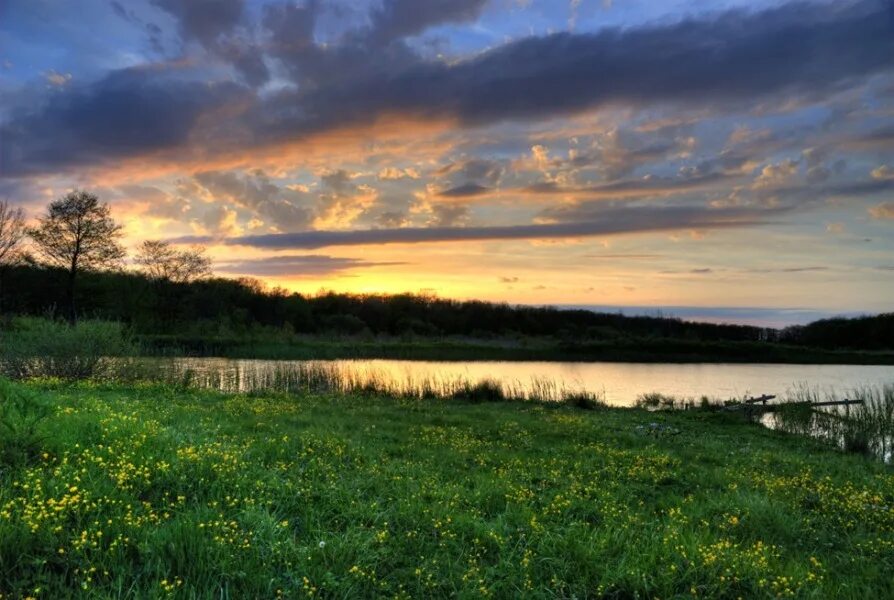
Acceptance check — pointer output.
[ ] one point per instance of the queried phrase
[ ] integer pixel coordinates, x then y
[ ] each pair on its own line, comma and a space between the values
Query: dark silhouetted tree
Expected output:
161, 261
77, 233
12, 233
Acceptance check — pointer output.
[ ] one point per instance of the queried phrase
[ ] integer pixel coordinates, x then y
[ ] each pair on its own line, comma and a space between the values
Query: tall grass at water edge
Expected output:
333, 378
33, 347
866, 427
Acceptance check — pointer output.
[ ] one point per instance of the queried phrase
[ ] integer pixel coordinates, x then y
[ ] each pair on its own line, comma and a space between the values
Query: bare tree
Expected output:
77, 233
161, 261
12, 233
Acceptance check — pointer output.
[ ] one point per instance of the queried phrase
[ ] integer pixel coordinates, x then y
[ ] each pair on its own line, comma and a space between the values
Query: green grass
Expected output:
152, 491
34, 347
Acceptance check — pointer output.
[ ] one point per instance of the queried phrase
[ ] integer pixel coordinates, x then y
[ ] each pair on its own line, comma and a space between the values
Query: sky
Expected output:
729, 160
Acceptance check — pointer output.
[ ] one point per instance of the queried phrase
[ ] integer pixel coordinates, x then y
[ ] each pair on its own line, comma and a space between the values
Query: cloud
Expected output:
609, 222
57, 79
217, 221
204, 20
885, 210
618, 152
883, 172
617, 256
878, 137
795, 50
465, 190
392, 219
152, 201
401, 18
286, 208
394, 173
376, 49
631, 188
220, 27
129, 112
448, 215
309, 265
480, 171
861, 188
807, 269
774, 175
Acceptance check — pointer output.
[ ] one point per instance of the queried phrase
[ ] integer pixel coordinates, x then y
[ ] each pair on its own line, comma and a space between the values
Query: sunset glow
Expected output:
729, 160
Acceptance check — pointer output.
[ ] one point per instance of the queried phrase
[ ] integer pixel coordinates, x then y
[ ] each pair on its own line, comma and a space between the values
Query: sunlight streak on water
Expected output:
621, 383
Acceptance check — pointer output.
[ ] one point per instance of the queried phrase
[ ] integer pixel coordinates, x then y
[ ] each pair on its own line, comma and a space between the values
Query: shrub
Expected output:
33, 347
655, 400
583, 400
486, 390
19, 417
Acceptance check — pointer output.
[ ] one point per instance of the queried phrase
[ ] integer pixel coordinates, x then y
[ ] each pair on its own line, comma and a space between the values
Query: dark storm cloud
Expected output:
801, 50
298, 265
798, 49
373, 51
204, 20
128, 112
400, 18
608, 222
358, 54
153, 31
220, 26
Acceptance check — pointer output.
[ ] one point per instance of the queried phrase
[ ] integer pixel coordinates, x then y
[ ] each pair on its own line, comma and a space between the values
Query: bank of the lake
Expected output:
614, 383
660, 350
147, 491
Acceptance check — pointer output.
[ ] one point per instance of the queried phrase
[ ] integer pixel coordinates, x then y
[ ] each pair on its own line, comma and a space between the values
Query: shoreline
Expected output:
634, 351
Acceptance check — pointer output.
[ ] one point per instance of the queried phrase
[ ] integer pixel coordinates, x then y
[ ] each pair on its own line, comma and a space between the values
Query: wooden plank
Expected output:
762, 399
844, 402
750, 406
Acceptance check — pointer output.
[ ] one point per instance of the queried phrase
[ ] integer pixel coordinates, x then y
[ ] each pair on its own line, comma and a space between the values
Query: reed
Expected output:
659, 401
866, 428
332, 378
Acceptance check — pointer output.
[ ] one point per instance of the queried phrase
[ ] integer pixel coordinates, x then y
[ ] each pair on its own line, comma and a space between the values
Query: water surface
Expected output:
621, 383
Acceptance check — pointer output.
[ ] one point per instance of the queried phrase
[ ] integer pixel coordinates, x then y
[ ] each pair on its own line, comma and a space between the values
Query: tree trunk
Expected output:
70, 297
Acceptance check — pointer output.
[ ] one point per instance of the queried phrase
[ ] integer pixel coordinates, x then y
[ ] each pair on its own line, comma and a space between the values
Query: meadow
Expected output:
162, 490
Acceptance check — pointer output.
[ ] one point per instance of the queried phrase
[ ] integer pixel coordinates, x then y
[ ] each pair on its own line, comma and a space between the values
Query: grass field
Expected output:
156, 491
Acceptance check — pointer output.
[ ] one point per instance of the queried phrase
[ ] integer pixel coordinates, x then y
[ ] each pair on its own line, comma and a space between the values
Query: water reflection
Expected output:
619, 383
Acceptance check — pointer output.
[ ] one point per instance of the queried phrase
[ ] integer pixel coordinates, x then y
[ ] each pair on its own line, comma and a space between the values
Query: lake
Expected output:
621, 383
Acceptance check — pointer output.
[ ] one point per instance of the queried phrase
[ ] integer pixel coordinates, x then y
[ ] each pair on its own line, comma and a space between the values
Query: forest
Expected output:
220, 307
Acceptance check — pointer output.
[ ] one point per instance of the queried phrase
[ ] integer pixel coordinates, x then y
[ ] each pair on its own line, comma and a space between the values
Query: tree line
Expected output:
76, 233
215, 306
74, 265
